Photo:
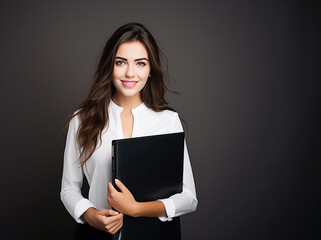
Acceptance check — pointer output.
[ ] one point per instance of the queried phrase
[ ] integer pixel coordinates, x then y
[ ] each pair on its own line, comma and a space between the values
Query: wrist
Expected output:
86, 215
136, 211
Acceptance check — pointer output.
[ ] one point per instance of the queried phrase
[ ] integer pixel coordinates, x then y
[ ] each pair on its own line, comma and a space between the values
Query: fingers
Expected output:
115, 225
108, 212
111, 188
116, 228
111, 226
121, 186
105, 219
111, 221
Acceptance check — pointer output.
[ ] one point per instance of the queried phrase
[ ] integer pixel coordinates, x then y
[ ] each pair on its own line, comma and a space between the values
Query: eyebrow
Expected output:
138, 59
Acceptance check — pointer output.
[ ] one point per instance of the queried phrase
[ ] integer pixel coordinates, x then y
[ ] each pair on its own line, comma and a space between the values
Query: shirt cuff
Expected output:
170, 209
80, 208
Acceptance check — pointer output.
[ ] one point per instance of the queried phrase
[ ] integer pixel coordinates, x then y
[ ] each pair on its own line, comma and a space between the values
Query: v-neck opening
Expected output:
135, 113
121, 125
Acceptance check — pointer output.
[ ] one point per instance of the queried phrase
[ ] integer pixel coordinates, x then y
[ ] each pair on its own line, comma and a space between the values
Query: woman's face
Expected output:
131, 68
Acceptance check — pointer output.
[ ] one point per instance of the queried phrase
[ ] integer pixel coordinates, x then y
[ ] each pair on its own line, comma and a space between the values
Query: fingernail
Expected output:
116, 180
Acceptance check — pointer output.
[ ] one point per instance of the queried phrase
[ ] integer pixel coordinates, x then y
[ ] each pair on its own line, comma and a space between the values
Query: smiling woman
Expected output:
132, 71
126, 100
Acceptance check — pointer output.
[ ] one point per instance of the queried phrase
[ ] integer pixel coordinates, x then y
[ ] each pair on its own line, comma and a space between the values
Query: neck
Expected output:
127, 103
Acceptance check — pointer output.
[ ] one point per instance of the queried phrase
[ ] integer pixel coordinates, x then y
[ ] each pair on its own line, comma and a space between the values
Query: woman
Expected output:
126, 100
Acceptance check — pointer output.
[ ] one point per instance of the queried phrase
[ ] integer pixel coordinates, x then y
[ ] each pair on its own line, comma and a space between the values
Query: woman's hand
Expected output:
104, 219
122, 201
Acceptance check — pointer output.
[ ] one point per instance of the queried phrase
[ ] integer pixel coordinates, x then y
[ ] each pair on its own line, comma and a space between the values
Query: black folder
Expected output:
151, 168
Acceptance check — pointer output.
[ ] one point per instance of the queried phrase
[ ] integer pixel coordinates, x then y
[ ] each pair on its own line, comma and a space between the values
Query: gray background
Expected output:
249, 77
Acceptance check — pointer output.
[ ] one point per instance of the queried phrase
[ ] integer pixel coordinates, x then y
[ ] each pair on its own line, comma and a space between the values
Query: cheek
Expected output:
117, 72
144, 74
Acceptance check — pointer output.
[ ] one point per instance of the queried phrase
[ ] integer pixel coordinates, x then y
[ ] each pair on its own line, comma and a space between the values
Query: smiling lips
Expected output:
129, 83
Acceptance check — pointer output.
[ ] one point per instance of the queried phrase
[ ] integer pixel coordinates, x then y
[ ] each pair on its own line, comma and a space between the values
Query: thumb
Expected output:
108, 212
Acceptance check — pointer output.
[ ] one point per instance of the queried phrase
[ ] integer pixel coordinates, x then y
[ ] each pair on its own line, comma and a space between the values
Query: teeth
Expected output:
129, 84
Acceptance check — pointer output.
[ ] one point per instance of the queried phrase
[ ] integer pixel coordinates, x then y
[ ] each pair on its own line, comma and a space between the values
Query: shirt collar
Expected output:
114, 106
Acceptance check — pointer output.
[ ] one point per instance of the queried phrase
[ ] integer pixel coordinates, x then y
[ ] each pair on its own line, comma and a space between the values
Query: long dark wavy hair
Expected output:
93, 111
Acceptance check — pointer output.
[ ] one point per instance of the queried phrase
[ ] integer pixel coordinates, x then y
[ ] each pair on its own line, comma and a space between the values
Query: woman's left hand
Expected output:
123, 201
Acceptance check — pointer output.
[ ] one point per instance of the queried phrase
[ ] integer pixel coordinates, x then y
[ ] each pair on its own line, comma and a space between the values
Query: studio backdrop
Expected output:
248, 73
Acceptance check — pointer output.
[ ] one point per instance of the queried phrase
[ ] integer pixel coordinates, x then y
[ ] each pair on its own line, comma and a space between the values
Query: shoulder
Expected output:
167, 119
75, 120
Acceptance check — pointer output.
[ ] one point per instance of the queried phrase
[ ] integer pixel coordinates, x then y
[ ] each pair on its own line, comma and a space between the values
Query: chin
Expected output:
127, 93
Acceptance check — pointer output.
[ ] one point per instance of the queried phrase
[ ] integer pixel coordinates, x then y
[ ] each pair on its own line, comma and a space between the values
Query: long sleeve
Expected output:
186, 201
72, 177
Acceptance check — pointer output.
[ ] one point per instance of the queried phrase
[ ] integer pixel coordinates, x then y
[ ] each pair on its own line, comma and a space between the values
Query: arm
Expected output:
186, 201
80, 208
124, 202
72, 177
165, 209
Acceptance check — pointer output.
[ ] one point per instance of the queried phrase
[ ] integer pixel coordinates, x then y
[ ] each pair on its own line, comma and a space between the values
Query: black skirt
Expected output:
87, 232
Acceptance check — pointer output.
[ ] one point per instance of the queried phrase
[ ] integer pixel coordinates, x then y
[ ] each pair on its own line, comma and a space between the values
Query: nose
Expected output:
130, 71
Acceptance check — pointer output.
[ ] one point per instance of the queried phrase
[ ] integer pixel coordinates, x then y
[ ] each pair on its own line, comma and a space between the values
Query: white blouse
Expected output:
98, 167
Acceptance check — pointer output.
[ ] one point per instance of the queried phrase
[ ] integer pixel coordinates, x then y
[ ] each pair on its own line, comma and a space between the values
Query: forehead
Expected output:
132, 50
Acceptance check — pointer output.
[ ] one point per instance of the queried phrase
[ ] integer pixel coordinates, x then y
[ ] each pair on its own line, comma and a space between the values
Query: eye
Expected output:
141, 64
119, 62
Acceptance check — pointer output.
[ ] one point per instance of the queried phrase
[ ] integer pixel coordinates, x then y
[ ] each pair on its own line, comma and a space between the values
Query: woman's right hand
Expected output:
104, 219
